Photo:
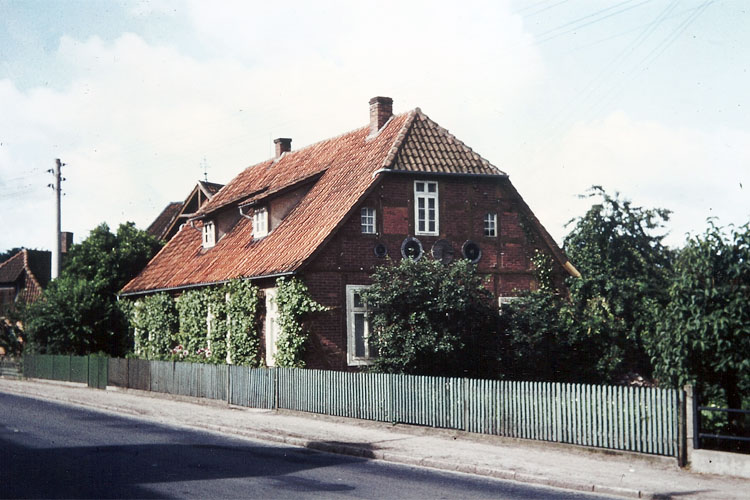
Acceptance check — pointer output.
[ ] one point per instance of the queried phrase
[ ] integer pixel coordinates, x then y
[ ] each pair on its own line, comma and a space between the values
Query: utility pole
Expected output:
57, 250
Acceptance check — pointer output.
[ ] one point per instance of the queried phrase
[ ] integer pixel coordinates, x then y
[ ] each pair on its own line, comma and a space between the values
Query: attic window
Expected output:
209, 234
490, 224
367, 220
426, 207
260, 222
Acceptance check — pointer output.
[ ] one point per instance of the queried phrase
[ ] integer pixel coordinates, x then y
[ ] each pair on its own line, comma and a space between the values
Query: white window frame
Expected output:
504, 301
272, 326
490, 224
367, 220
426, 196
209, 234
260, 222
351, 347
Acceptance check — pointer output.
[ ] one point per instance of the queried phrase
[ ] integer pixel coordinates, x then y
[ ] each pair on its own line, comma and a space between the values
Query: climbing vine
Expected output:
542, 264
154, 319
242, 302
294, 306
209, 325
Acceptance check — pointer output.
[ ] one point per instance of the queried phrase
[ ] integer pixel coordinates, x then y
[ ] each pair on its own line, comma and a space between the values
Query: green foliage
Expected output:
704, 335
78, 312
294, 306
242, 322
600, 331
192, 308
183, 329
625, 273
431, 319
154, 319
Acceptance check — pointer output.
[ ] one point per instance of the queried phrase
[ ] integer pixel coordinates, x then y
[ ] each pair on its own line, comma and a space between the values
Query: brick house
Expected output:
402, 186
23, 277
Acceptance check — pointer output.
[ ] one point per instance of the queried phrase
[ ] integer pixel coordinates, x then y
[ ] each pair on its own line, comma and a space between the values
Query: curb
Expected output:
365, 453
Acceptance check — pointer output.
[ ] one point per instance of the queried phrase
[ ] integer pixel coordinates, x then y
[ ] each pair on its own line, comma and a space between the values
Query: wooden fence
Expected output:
645, 420
91, 370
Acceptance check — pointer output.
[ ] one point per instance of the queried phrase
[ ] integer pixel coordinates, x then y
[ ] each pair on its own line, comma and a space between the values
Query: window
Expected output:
209, 234
359, 350
367, 220
272, 326
260, 222
426, 207
490, 224
502, 302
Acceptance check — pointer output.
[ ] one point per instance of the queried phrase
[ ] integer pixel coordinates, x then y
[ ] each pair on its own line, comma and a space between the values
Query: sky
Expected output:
141, 99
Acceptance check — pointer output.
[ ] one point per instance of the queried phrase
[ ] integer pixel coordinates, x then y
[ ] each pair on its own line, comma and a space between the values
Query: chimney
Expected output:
66, 241
283, 145
381, 110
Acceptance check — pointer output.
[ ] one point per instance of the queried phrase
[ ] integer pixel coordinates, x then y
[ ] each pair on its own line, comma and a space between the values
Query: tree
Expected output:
704, 335
599, 331
431, 319
78, 312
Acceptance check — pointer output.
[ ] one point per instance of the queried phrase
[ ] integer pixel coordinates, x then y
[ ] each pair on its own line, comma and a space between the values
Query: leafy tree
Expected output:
78, 312
600, 330
704, 335
432, 319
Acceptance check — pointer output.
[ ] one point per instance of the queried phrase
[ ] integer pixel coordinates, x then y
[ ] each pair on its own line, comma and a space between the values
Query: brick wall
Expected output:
349, 257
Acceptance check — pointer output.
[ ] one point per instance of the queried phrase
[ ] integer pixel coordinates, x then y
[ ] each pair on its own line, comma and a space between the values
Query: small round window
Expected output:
471, 251
442, 250
380, 250
411, 248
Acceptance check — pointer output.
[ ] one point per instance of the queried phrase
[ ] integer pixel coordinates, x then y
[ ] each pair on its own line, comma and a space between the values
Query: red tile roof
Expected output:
32, 263
346, 166
158, 229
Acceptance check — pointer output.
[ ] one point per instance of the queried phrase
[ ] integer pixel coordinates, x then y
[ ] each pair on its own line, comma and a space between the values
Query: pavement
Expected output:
570, 467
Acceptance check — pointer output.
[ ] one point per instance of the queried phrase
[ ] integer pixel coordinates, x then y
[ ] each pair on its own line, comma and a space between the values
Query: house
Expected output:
23, 277
176, 213
402, 186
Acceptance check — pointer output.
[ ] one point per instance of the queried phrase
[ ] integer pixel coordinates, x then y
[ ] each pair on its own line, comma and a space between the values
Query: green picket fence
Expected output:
90, 370
639, 419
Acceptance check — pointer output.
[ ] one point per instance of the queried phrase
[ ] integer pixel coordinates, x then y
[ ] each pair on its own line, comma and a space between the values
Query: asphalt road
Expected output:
48, 450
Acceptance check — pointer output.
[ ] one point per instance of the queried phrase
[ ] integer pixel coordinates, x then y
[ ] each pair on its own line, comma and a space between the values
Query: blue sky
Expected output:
648, 98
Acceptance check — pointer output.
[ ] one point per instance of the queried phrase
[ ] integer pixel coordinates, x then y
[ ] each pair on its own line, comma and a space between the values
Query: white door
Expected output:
272, 325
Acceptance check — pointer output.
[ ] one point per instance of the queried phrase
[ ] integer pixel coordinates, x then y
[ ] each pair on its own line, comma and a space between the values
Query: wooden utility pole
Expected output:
57, 250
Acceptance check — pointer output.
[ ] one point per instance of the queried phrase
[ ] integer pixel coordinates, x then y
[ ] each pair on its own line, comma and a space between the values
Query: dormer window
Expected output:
367, 220
209, 234
260, 222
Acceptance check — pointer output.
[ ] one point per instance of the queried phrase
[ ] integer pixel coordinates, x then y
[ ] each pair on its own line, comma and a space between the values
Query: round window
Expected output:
411, 248
380, 250
471, 251
442, 250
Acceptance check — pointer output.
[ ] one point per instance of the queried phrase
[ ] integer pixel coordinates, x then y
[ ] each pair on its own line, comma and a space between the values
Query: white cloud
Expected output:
696, 174
136, 120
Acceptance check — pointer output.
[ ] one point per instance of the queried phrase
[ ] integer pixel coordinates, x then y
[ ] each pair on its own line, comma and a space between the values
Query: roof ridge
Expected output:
447, 132
30, 272
400, 138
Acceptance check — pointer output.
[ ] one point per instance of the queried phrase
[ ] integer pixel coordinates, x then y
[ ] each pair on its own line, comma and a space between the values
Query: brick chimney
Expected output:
66, 241
381, 110
283, 145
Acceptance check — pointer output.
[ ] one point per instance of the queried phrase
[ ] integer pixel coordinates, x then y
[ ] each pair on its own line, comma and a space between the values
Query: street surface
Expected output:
49, 450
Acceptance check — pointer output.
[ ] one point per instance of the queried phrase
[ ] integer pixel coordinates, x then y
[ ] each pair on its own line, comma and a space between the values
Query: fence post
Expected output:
682, 426
691, 426
275, 377
229, 386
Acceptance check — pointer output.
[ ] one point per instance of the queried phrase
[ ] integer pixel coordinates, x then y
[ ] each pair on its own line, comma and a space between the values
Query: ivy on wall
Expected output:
211, 325
153, 319
294, 306
242, 322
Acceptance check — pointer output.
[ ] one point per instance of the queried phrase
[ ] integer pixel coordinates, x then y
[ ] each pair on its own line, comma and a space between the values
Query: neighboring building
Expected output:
177, 213
23, 277
332, 211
